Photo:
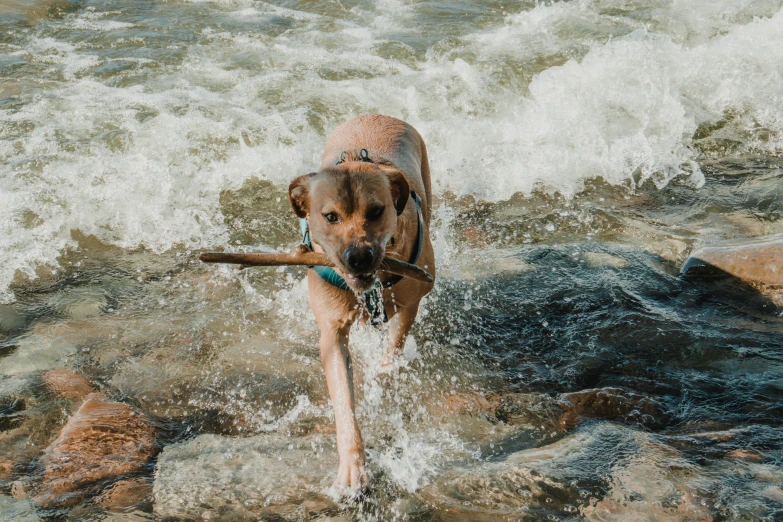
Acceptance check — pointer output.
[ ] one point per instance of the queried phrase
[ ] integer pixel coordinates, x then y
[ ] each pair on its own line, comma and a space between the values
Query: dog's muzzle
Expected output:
361, 263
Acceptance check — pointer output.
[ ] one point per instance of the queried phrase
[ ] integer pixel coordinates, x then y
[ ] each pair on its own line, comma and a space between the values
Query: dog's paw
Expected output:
352, 479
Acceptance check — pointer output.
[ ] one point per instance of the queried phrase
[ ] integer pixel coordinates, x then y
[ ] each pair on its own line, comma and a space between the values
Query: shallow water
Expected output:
580, 150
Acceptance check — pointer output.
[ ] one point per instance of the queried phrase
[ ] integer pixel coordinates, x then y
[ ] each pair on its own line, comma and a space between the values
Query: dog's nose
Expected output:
359, 258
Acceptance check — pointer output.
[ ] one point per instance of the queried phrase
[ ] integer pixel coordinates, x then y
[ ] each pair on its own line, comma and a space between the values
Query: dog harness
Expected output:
372, 297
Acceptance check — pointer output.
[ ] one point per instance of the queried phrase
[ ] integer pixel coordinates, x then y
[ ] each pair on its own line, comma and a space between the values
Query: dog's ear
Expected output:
299, 194
400, 190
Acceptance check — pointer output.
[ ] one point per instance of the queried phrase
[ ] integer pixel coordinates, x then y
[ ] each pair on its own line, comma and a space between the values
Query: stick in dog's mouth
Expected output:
306, 258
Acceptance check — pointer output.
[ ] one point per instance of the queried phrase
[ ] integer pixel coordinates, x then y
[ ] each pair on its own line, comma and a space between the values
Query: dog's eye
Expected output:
375, 213
331, 218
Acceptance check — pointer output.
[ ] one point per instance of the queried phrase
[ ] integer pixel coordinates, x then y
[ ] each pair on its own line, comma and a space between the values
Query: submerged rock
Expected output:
11, 409
555, 479
18, 448
603, 472
522, 410
745, 454
6, 469
10, 319
754, 261
611, 404
217, 477
128, 495
603, 260
532, 410
653, 486
469, 404
34, 353
17, 510
35, 9
67, 384
14, 386
102, 442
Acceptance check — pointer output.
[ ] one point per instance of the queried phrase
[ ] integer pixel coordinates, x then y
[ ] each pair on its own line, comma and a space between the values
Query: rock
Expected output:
603, 260
35, 353
496, 424
10, 319
11, 412
551, 477
228, 478
662, 484
470, 404
18, 490
570, 420
669, 249
81, 302
654, 487
719, 436
34, 9
531, 410
102, 442
67, 384
745, 455
773, 493
15, 385
6, 469
603, 472
611, 404
754, 261
128, 495
16, 452
17, 510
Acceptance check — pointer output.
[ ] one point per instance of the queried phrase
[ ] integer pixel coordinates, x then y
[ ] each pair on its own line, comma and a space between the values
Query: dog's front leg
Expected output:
351, 475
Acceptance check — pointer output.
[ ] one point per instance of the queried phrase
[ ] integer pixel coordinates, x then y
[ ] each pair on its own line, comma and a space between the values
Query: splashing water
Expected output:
579, 151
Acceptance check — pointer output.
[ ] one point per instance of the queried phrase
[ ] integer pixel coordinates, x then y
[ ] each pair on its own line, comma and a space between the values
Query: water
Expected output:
579, 151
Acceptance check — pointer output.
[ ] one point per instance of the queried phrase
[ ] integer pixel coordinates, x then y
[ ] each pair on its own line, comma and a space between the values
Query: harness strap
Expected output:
417, 246
327, 273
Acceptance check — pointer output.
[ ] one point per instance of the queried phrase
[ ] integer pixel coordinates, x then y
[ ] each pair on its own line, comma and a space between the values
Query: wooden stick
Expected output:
299, 257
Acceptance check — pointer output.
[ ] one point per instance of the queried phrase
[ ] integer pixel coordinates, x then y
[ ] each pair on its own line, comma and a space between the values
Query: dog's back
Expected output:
391, 139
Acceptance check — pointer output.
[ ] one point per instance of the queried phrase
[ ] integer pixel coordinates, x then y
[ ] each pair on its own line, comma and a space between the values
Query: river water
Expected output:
579, 151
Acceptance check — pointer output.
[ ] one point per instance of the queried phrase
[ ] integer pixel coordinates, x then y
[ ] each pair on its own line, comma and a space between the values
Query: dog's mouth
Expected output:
361, 282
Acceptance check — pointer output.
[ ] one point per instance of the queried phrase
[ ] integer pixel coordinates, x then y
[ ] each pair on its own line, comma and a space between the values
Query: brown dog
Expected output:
359, 208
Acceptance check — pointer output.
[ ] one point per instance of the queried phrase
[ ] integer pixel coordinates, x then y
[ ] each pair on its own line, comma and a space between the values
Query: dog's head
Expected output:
352, 210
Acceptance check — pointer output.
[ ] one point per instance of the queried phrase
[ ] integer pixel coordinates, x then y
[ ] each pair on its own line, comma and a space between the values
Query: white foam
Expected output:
145, 165
414, 459
626, 112
93, 20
